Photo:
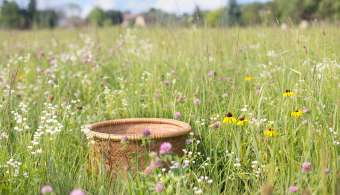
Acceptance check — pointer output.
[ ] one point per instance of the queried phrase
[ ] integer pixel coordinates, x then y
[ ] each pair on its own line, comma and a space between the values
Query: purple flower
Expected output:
153, 165
146, 132
124, 139
197, 102
211, 73
306, 167
305, 110
177, 115
326, 171
46, 189
165, 148
159, 187
293, 189
77, 192
216, 125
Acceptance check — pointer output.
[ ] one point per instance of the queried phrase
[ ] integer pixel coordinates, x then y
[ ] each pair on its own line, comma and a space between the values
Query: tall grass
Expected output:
55, 82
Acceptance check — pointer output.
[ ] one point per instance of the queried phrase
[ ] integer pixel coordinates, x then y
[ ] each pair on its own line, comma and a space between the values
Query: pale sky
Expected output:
173, 6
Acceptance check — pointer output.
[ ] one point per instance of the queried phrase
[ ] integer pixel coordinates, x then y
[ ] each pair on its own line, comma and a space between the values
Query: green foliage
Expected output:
98, 17
197, 17
62, 80
213, 18
46, 19
10, 16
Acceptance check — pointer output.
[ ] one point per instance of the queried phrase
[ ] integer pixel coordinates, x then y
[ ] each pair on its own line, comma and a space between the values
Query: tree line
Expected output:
268, 13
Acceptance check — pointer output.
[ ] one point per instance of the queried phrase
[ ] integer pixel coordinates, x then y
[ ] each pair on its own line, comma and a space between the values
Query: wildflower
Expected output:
211, 73
326, 171
77, 192
159, 187
46, 189
146, 132
215, 125
242, 121
306, 167
288, 93
229, 118
293, 189
124, 139
305, 110
165, 148
297, 113
197, 102
248, 78
270, 132
177, 115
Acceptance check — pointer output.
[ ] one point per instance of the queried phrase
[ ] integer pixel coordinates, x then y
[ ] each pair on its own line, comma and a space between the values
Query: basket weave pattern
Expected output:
107, 136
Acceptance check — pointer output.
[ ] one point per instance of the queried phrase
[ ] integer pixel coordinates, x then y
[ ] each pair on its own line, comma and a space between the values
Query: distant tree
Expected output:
10, 16
234, 13
251, 13
114, 17
329, 10
159, 17
97, 16
296, 10
32, 11
231, 15
46, 19
197, 17
213, 18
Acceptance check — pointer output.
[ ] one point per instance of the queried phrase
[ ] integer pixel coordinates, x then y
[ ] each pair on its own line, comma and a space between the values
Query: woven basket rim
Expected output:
185, 128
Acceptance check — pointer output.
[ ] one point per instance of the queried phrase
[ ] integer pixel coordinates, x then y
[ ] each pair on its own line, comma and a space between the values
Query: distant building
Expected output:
130, 19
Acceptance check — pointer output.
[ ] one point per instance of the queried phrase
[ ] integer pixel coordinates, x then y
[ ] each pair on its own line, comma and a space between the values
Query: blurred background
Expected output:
35, 14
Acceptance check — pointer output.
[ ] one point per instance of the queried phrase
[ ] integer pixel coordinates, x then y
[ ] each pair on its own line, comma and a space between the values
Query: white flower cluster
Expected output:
133, 45
3, 135
20, 118
13, 165
257, 169
49, 126
334, 135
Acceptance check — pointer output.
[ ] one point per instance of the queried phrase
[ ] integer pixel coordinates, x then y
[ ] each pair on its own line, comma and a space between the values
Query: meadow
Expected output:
263, 104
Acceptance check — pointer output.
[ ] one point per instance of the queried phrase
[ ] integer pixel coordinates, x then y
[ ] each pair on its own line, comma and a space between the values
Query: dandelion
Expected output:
288, 93
241, 121
248, 78
46, 189
293, 189
77, 192
270, 132
159, 187
306, 167
165, 148
229, 118
297, 113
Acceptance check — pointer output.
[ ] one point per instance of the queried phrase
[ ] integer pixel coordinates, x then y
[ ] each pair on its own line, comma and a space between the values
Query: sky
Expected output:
172, 6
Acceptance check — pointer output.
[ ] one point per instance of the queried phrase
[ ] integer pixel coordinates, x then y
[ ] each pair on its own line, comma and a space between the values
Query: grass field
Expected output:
55, 82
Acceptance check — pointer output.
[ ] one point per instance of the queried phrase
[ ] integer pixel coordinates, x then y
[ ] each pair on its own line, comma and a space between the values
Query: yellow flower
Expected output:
248, 78
296, 113
242, 121
270, 132
229, 118
288, 93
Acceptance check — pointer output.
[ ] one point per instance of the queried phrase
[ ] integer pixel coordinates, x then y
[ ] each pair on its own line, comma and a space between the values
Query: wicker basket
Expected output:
107, 139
